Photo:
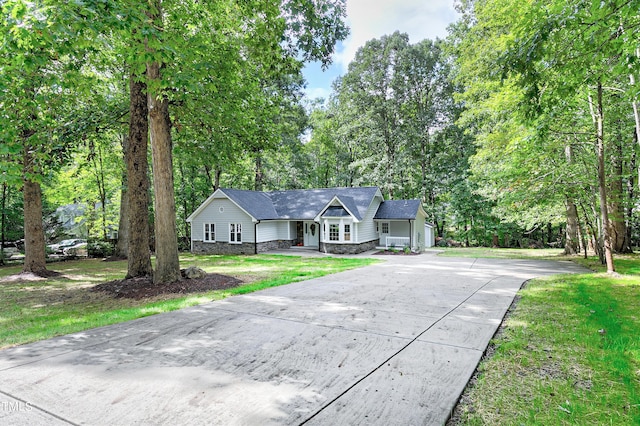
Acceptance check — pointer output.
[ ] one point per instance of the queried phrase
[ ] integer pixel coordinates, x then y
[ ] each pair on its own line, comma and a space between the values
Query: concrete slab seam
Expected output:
39, 359
38, 408
396, 353
512, 306
315, 324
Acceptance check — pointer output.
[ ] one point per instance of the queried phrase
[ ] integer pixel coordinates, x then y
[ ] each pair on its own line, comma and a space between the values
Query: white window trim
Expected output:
326, 234
236, 226
382, 224
204, 232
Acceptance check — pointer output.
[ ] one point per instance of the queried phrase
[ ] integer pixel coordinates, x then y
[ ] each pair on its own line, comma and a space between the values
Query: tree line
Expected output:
79, 73
521, 126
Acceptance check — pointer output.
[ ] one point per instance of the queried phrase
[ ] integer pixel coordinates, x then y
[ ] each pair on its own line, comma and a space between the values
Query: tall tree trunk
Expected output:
636, 110
122, 246
598, 115
34, 243
138, 255
572, 242
216, 182
3, 217
98, 167
259, 173
631, 186
166, 234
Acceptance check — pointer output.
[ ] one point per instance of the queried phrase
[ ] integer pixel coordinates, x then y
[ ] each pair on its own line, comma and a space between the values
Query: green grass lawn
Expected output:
501, 253
568, 354
36, 310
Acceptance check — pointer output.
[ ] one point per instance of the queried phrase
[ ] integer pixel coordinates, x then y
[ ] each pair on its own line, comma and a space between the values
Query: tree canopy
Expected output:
520, 128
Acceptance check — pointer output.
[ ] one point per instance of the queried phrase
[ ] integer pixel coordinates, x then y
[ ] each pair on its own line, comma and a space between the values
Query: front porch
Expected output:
394, 242
399, 234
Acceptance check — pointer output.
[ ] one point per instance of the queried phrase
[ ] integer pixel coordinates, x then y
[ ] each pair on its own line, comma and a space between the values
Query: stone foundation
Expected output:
222, 248
243, 248
348, 248
274, 245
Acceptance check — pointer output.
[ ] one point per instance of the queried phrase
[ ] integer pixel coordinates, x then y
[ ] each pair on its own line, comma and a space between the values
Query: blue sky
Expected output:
370, 19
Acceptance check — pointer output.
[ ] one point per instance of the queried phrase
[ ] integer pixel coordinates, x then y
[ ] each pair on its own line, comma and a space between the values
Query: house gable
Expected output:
340, 207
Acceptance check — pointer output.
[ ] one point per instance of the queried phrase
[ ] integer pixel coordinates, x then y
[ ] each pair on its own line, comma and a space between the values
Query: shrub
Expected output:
97, 248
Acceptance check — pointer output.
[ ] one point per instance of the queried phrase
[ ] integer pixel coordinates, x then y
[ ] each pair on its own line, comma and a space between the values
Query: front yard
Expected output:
569, 353
40, 309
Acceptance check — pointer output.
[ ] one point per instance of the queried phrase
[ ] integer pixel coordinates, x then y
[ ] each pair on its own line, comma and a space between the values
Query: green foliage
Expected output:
99, 249
569, 354
529, 72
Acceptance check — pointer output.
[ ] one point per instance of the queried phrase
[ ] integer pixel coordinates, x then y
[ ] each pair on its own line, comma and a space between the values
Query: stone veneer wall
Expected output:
274, 245
348, 248
244, 248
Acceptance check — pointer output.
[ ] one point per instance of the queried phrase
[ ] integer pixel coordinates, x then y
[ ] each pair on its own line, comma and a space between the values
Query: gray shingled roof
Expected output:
398, 209
302, 204
256, 203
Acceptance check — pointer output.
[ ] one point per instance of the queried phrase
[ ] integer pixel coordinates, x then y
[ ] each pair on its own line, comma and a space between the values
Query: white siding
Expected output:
418, 233
230, 214
366, 229
273, 230
399, 228
429, 235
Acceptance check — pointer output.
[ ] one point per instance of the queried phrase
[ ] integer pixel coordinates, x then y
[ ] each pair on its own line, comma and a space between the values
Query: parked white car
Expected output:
59, 247
76, 250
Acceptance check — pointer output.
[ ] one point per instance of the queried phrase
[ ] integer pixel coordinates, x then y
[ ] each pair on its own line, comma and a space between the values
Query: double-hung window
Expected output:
235, 232
347, 232
334, 232
209, 232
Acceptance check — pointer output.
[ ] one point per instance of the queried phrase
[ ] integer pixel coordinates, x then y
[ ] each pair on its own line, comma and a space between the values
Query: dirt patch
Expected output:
140, 288
25, 277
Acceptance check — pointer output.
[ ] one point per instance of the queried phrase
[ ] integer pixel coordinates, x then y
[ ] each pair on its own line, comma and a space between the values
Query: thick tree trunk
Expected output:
166, 238
216, 182
572, 242
34, 244
3, 217
138, 255
122, 246
602, 182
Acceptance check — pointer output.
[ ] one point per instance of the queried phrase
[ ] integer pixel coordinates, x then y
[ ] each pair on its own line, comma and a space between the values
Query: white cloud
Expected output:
317, 92
370, 19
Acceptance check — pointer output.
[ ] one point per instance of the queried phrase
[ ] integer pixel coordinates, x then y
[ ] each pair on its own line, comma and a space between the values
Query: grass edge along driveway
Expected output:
569, 353
38, 310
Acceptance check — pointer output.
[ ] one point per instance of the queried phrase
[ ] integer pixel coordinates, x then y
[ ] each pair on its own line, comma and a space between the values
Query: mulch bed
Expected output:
396, 253
140, 288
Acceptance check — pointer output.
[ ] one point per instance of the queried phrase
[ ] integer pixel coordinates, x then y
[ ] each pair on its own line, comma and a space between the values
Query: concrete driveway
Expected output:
389, 344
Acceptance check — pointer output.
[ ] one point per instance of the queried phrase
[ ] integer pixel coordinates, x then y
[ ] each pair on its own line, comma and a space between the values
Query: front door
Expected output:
384, 232
311, 234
